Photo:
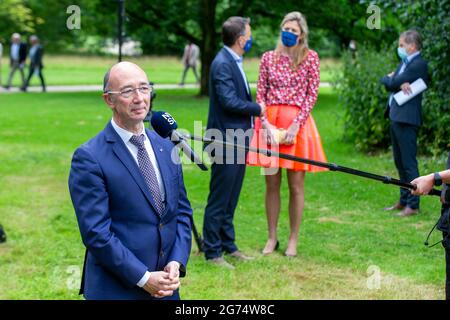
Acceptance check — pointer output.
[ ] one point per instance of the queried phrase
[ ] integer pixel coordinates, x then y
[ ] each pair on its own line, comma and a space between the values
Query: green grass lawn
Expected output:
345, 236
73, 70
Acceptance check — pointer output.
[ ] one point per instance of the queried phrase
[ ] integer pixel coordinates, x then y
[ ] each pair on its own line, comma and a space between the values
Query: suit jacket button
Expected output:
161, 225
161, 253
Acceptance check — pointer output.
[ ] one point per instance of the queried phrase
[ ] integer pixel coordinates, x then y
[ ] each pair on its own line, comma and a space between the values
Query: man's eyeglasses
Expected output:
128, 92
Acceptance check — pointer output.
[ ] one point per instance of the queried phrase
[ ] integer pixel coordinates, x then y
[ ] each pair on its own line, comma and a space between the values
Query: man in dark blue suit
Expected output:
230, 117
36, 65
407, 118
130, 200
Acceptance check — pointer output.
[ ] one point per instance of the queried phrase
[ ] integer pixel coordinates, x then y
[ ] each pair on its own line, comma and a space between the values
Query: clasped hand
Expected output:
272, 135
164, 283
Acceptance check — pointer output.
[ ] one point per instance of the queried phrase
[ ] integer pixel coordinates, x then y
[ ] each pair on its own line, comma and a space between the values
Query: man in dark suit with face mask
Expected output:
230, 109
407, 118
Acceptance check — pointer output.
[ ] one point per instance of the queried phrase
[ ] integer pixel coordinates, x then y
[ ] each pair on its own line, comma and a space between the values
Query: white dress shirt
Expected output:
239, 59
126, 136
15, 51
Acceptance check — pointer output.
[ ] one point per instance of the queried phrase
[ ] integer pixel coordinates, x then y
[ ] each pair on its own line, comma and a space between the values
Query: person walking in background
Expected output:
18, 56
130, 200
36, 65
231, 110
407, 118
288, 85
190, 58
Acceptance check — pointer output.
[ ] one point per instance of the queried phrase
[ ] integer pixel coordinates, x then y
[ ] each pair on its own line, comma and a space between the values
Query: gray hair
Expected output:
106, 81
412, 36
232, 29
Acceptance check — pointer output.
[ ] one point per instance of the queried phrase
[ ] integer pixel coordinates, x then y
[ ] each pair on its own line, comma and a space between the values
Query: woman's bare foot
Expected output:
291, 250
271, 246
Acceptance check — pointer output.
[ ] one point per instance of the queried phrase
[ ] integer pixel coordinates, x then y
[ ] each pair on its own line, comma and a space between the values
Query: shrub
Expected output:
364, 98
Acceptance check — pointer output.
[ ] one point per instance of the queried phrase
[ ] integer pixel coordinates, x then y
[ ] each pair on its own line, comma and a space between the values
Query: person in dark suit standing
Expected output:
130, 201
407, 118
231, 113
18, 56
36, 65
424, 185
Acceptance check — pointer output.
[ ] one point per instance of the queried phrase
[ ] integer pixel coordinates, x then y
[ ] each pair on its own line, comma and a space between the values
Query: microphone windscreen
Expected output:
163, 123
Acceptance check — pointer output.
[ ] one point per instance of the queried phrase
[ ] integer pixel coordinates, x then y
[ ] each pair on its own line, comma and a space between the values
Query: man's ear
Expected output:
108, 100
240, 39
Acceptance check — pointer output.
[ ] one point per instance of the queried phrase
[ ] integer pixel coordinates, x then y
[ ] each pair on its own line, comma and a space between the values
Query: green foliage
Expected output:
15, 16
364, 99
325, 42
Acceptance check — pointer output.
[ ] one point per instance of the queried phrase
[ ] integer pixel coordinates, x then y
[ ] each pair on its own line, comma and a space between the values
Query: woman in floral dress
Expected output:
288, 85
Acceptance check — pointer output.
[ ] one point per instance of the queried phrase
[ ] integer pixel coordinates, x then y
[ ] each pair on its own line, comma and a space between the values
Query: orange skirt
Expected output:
307, 143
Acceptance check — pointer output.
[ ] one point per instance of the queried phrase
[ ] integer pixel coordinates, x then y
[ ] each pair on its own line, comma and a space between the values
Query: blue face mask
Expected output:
248, 45
402, 53
289, 39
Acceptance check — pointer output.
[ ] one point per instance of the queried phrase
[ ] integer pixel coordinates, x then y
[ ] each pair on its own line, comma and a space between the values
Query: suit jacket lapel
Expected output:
237, 72
121, 151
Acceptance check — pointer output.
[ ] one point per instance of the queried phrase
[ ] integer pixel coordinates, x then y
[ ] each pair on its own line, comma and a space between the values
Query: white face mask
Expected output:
401, 51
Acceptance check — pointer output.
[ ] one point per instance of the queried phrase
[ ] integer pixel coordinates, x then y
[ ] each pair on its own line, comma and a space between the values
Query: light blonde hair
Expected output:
300, 51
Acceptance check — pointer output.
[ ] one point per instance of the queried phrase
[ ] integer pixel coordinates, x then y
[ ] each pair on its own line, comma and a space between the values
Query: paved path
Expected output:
99, 88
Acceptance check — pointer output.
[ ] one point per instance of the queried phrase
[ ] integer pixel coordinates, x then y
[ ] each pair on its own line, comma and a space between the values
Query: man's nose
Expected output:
137, 95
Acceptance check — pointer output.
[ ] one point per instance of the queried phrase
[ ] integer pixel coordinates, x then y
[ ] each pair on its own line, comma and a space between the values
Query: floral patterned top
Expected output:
278, 84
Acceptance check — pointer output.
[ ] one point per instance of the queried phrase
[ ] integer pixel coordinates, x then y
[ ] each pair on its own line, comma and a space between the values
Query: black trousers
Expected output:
224, 189
404, 147
30, 74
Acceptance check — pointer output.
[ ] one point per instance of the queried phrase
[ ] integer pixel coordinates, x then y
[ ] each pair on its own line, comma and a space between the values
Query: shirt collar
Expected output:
410, 57
235, 56
125, 135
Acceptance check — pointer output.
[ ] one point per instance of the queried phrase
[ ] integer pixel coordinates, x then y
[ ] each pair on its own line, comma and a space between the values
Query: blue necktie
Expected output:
148, 171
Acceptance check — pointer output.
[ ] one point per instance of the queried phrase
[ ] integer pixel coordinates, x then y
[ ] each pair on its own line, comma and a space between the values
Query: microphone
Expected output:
165, 126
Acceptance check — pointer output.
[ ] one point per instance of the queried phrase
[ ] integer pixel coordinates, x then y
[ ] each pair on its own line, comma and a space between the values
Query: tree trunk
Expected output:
208, 46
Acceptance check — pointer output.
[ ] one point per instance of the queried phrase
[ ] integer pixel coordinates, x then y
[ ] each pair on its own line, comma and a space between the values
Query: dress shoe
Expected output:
407, 212
240, 256
221, 262
269, 251
396, 206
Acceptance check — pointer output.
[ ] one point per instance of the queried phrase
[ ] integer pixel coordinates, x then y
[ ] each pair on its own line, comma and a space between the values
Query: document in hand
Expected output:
417, 87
